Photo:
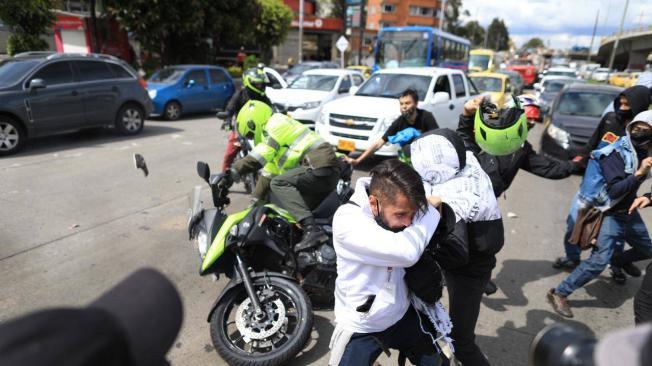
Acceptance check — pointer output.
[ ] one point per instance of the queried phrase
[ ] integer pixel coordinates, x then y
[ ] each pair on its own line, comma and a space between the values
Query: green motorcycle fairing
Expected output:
282, 212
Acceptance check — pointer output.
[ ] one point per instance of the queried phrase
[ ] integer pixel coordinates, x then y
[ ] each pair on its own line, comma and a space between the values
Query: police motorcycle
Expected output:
264, 315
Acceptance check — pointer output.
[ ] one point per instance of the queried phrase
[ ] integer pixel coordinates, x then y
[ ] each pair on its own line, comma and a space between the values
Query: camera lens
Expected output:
561, 345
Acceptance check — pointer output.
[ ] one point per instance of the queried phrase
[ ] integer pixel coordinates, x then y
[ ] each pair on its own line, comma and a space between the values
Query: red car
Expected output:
527, 70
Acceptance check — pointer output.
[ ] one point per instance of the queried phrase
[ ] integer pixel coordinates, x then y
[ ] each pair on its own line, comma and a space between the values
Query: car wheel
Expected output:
12, 136
130, 119
172, 111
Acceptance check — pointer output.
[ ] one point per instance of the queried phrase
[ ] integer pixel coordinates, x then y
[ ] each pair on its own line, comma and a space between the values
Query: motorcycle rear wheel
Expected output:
241, 340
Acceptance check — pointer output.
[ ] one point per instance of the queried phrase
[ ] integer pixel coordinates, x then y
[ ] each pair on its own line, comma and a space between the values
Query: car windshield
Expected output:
300, 68
561, 73
11, 71
554, 86
314, 82
167, 76
589, 104
392, 85
488, 84
479, 61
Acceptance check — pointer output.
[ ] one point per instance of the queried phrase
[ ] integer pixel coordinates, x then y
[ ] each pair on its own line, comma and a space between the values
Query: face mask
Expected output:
407, 114
624, 115
641, 138
383, 224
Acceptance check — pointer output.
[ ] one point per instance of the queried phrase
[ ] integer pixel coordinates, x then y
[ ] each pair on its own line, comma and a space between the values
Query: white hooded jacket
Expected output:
368, 257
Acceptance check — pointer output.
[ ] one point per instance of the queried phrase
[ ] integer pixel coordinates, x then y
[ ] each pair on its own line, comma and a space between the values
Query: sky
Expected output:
563, 23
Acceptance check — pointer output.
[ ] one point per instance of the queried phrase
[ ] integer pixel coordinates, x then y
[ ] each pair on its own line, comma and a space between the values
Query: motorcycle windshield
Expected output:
194, 201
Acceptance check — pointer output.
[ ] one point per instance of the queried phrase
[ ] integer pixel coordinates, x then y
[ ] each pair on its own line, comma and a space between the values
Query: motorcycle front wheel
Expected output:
243, 338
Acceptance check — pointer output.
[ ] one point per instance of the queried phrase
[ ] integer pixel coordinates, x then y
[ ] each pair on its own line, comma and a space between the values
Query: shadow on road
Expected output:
87, 138
317, 345
186, 116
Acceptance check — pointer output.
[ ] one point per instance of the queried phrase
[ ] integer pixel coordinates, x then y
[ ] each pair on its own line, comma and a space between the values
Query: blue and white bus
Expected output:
420, 46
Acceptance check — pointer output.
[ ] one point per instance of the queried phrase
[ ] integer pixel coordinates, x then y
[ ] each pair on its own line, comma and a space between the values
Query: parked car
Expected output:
305, 97
354, 122
497, 85
619, 79
365, 70
550, 87
44, 94
189, 88
298, 69
515, 79
527, 70
601, 74
574, 116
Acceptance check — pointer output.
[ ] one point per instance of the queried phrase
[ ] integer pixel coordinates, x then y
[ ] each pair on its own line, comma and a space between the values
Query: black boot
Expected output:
312, 235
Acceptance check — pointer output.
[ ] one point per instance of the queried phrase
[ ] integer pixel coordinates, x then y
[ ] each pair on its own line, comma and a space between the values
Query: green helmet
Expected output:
255, 79
500, 132
252, 119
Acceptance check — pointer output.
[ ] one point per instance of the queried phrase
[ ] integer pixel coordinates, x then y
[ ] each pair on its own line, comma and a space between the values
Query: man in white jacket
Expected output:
383, 229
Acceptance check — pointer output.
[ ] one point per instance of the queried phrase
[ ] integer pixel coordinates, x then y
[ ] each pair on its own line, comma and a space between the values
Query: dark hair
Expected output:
392, 177
410, 92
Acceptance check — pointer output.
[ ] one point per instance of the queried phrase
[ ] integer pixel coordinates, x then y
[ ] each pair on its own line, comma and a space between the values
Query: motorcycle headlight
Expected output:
311, 105
152, 94
559, 135
202, 243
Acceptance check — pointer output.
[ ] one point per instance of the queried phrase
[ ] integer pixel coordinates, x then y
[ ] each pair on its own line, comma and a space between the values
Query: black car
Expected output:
44, 94
575, 114
551, 88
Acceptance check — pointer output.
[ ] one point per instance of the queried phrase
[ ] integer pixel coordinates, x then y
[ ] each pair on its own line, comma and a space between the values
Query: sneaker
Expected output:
618, 275
632, 270
565, 263
559, 304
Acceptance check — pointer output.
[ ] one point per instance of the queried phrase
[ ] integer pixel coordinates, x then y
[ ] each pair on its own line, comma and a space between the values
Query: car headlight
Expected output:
561, 136
152, 93
311, 105
202, 243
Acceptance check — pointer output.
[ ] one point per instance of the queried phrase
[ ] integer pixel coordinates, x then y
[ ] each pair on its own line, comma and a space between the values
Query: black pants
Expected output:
643, 299
465, 293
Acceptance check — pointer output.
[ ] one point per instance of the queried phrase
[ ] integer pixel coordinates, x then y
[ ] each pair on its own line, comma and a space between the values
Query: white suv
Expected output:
353, 123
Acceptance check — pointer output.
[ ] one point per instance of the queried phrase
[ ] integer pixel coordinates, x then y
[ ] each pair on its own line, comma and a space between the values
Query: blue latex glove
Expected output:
404, 136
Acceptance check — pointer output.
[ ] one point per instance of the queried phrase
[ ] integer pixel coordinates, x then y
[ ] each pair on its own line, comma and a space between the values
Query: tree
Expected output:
28, 20
272, 25
338, 10
535, 42
498, 36
452, 22
474, 32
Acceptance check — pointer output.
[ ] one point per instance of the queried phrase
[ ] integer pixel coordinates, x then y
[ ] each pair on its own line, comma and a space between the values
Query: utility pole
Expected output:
300, 32
442, 16
595, 26
620, 31
363, 25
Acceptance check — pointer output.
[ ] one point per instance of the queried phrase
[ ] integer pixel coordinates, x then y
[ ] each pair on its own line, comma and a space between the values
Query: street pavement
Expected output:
77, 218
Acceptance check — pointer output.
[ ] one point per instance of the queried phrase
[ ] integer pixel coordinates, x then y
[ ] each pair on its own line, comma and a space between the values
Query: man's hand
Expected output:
350, 160
471, 106
639, 202
644, 168
434, 201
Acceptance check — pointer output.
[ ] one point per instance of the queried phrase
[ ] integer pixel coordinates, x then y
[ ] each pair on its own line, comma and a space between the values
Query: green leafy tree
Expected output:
338, 10
474, 32
452, 12
535, 42
498, 35
272, 25
28, 20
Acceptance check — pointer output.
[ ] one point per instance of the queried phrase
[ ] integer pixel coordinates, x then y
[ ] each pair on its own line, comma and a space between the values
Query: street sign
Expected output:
342, 44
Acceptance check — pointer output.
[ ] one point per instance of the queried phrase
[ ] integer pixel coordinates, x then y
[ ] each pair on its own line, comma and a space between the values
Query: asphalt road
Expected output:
77, 218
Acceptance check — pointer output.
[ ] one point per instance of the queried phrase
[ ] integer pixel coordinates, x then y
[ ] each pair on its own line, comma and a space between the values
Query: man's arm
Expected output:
595, 138
545, 167
370, 151
234, 103
361, 239
262, 154
430, 123
620, 183
641, 202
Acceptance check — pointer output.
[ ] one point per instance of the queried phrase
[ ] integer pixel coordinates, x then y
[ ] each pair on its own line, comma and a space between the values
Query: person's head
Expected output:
408, 101
640, 131
631, 102
396, 194
500, 132
252, 118
254, 80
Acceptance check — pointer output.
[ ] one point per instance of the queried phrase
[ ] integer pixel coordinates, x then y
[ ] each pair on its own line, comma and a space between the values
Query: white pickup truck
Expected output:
353, 123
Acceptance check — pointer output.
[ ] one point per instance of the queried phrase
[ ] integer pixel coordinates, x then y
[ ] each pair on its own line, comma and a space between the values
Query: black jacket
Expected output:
240, 98
639, 100
502, 169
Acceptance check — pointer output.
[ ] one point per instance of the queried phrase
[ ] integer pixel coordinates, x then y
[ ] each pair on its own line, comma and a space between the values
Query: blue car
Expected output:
189, 88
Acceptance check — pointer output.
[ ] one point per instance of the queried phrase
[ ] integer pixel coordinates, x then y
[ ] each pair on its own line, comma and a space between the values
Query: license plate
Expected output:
346, 145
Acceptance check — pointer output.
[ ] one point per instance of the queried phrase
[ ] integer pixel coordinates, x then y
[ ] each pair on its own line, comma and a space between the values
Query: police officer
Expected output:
299, 167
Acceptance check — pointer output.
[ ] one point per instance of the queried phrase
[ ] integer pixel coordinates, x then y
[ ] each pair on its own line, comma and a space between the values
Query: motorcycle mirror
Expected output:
203, 170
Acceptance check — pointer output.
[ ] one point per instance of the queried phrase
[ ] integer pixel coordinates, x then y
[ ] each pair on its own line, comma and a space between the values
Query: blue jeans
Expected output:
405, 335
573, 252
616, 227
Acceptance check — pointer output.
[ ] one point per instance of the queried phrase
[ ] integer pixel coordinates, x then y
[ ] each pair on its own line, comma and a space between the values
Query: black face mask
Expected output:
407, 114
624, 115
384, 225
641, 139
